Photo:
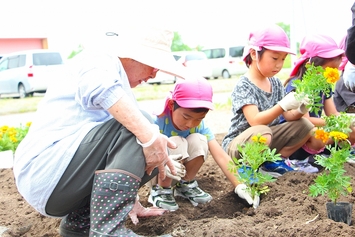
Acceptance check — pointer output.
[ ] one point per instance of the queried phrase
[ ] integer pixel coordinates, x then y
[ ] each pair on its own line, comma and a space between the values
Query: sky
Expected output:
68, 23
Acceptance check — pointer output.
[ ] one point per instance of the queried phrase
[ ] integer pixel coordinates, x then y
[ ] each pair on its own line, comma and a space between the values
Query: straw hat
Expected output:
148, 45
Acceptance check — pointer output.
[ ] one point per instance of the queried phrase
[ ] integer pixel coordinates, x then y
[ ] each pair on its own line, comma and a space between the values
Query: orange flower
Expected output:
322, 135
331, 74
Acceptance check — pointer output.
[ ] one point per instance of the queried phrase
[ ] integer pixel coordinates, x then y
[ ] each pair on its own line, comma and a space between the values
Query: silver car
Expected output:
26, 72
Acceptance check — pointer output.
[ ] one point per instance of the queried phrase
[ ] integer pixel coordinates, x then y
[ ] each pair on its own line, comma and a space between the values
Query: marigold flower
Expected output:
322, 135
331, 74
4, 128
254, 138
339, 136
262, 139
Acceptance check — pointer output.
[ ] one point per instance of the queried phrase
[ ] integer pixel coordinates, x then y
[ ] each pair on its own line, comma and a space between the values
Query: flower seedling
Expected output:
252, 155
10, 137
315, 83
332, 182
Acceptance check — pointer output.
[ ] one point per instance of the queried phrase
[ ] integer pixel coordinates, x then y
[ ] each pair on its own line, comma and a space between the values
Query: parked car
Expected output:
195, 61
26, 72
162, 77
226, 61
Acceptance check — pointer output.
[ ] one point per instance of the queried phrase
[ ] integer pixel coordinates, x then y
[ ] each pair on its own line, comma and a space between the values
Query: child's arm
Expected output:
222, 159
329, 107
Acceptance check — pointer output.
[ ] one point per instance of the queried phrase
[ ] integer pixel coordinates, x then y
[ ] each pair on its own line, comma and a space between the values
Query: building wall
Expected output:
8, 45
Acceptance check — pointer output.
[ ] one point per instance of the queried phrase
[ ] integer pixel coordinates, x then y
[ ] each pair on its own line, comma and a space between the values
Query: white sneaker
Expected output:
301, 165
163, 198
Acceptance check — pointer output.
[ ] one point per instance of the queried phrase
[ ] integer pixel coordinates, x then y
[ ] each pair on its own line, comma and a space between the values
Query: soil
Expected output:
287, 210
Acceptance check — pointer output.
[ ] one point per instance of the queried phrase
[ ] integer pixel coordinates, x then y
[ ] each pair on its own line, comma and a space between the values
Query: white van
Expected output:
226, 61
26, 72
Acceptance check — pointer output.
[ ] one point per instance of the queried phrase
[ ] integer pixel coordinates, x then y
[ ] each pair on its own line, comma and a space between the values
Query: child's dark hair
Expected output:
317, 61
248, 58
196, 110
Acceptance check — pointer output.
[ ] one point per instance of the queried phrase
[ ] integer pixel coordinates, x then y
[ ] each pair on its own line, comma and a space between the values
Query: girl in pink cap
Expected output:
259, 99
321, 50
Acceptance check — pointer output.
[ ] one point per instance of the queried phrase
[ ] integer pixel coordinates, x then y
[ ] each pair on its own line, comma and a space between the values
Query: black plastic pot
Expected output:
340, 212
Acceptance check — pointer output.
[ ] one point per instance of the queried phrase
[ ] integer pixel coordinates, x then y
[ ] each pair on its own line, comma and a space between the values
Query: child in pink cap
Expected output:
182, 121
321, 50
259, 99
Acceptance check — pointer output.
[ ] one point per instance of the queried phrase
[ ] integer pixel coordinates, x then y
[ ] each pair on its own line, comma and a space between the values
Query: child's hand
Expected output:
303, 108
289, 102
179, 167
242, 191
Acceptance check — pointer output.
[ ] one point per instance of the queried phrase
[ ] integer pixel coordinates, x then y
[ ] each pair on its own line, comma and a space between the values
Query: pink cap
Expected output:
344, 59
191, 93
317, 45
272, 37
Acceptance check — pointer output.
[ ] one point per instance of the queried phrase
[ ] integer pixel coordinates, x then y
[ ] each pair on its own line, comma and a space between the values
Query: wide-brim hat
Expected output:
148, 45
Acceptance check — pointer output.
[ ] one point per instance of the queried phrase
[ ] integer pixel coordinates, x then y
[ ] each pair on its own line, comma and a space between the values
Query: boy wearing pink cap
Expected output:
321, 50
182, 121
259, 100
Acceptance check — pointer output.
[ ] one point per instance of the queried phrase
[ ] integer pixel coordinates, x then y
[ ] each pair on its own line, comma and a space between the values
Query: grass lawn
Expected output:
142, 92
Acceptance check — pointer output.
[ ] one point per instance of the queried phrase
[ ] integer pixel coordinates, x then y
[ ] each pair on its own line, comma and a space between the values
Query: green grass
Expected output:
142, 92
14, 106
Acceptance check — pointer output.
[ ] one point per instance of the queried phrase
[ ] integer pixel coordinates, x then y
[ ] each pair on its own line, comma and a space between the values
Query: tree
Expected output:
178, 44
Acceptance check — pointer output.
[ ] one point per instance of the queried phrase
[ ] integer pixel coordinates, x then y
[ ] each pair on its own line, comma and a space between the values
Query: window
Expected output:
236, 51
14, 62
47, 59
4, 64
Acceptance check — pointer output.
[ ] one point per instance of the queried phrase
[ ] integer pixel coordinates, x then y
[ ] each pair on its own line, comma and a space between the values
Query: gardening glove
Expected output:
179, 167
303, 106
140, 211
289, 102
242, 191
349, 76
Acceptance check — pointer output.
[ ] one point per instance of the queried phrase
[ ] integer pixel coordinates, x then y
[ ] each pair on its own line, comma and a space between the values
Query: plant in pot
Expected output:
332, 182
245, 168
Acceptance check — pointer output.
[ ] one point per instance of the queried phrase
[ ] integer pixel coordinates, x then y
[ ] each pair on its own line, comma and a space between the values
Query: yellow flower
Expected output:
331, 74
262, 139
322, 135
258, 138
339, 136
4, 128
254, 138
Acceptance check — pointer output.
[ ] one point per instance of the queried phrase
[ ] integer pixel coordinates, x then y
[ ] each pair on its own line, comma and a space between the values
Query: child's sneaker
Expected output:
351, 158
302, 165
192, 192
163, 198
275, 169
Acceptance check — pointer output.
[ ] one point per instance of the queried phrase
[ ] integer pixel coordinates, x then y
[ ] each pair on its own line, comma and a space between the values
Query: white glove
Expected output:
349, 76
242, 191
303, 106
179, 167
289, 102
